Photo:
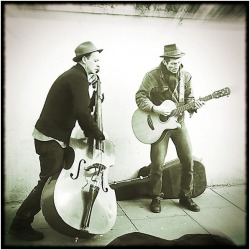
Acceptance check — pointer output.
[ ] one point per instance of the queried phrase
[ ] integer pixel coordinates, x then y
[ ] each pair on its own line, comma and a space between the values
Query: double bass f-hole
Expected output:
78, 170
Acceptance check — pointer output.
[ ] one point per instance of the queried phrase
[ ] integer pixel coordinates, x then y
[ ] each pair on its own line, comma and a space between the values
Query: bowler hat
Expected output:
83, 49
171, 50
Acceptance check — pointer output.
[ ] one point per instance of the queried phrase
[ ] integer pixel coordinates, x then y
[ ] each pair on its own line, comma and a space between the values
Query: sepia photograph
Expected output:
125, 124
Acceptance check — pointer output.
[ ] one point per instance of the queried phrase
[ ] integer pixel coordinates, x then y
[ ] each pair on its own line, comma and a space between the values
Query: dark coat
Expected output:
68, 101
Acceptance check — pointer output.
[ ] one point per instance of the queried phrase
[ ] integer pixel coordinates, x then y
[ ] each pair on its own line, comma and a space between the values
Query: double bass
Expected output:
79, 202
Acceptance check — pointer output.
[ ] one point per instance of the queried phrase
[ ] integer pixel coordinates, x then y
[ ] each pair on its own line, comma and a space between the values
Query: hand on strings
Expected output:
99, 136
93, 79
198, 104
161, 110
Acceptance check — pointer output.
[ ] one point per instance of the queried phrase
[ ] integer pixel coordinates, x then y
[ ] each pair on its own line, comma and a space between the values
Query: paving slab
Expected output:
210, 199
122, 226
140, 208
237, 195
169, 228
223, 212
226, 221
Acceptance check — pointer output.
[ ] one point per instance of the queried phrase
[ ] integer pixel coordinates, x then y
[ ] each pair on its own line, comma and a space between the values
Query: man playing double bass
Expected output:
67, 102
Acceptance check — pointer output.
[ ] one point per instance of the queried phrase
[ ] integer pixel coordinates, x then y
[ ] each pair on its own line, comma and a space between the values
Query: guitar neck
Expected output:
190, 105
98, 114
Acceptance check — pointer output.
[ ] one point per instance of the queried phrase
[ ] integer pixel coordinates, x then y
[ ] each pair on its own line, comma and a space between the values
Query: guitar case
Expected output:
194, 241
139, 187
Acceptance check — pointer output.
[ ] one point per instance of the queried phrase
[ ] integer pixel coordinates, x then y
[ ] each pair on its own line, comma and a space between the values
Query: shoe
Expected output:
189, 204
25, 233
155, 205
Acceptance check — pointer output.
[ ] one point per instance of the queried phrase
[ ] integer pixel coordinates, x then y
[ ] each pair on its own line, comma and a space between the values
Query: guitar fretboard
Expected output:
189, 105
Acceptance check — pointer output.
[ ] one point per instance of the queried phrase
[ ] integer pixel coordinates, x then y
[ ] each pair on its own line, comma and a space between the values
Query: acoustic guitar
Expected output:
148, 127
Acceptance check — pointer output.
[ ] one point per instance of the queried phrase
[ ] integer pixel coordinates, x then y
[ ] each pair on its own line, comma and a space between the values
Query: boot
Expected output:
189, 204
155, 205
23, 230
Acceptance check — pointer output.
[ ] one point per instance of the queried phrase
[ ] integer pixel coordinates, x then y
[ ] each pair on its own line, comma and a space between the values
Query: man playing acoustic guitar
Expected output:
169, 81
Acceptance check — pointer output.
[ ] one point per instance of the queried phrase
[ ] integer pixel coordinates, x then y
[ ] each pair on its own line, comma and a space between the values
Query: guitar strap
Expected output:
171, 80
181, 88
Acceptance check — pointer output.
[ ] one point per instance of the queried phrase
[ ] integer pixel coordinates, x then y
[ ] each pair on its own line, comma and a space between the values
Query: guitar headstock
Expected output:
220, 93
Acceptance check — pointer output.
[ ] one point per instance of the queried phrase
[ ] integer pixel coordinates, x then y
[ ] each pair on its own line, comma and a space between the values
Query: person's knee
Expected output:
187, 159
57, 162
156, 169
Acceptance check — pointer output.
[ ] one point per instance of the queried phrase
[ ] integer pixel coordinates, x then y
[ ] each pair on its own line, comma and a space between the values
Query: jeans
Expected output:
158, 154
51, 156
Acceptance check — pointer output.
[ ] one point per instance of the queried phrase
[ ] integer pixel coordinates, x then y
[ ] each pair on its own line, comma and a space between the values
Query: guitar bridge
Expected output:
150, 122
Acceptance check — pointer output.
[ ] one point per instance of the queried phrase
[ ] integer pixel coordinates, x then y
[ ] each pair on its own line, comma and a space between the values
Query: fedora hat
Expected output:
83, 49
171, 50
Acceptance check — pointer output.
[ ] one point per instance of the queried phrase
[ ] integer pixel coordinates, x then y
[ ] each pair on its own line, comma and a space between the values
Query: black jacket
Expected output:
68, 101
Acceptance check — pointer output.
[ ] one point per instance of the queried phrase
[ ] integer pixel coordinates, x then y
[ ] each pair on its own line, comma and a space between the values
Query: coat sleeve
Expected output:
189, 93
81, 103
142, 96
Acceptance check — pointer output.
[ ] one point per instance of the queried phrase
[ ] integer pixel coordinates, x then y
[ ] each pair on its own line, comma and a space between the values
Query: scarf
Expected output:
173, 81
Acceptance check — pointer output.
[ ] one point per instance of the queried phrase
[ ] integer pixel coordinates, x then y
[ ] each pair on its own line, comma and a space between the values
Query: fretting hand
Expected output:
198, 103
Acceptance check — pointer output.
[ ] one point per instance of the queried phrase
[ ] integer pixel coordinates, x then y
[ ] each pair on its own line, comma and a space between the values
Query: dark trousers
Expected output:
158, 154
51, 156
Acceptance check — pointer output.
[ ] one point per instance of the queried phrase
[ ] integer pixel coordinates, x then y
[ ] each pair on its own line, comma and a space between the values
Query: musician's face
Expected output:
92, 63
173, 65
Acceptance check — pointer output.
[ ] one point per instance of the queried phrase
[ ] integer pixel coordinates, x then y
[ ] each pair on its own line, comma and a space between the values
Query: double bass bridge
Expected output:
98, 174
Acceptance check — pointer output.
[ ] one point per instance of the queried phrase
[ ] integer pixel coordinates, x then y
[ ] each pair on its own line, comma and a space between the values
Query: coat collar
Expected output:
166, 72
78, 66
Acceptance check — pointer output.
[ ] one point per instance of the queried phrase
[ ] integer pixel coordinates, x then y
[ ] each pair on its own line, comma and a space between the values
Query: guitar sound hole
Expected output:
163, 118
